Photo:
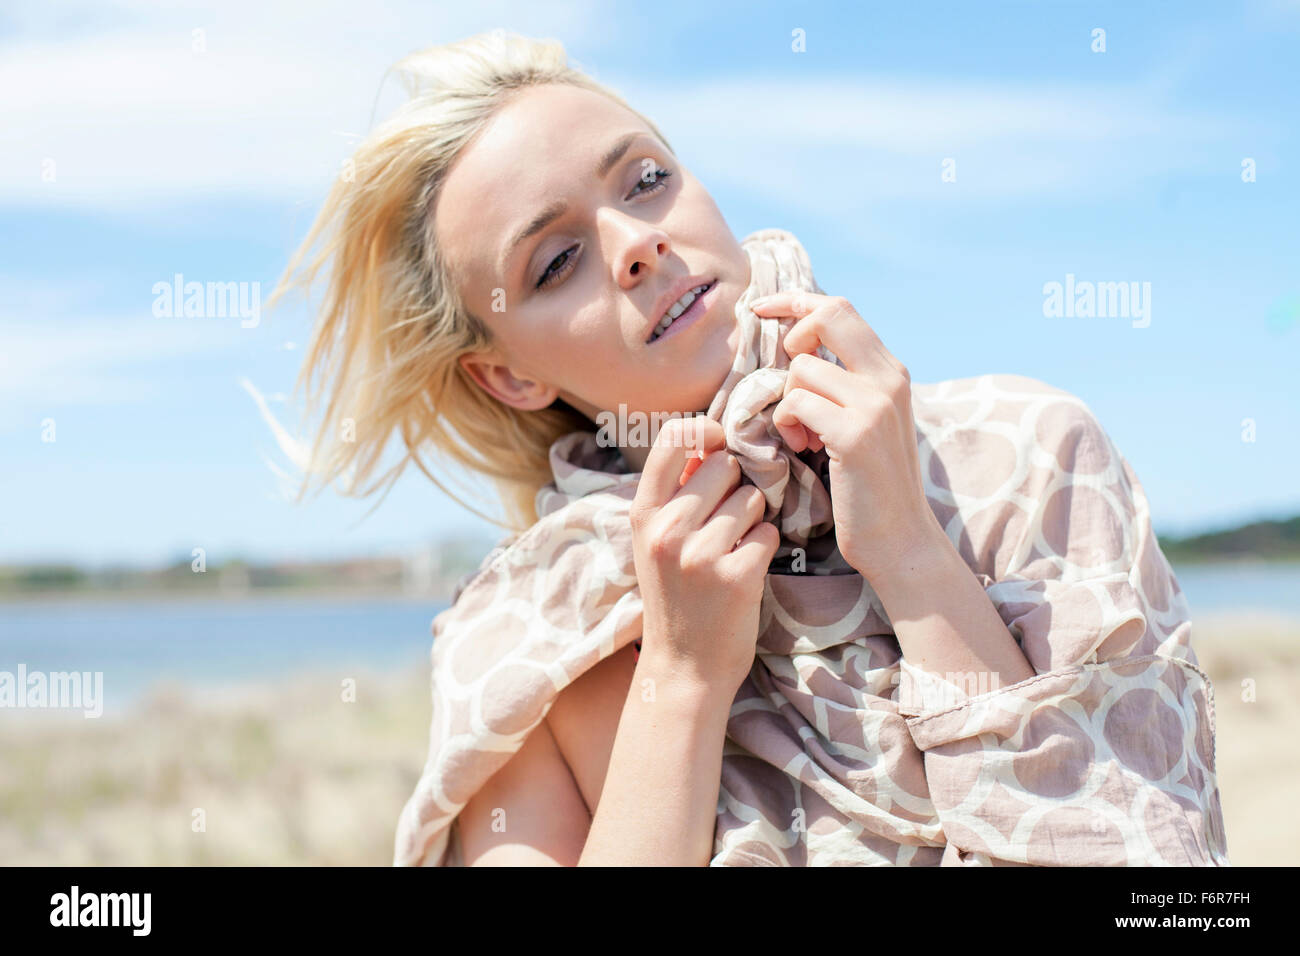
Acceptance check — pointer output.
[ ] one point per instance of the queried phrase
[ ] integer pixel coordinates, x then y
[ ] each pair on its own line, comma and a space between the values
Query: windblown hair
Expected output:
384, 350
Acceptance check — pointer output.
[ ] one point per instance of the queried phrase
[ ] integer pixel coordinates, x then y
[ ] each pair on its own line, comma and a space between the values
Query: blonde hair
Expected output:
385, 347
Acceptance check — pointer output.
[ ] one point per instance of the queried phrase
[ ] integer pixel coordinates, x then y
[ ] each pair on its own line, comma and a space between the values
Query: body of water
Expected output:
1255, 586
210, 642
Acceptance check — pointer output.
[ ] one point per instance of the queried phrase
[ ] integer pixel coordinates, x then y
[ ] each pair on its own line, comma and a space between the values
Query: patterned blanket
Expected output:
838, 750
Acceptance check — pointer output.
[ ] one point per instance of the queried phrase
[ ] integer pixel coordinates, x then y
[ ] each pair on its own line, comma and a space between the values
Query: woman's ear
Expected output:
502, 383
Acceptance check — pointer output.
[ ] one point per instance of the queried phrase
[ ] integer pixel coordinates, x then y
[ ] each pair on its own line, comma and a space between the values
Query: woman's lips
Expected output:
702, 304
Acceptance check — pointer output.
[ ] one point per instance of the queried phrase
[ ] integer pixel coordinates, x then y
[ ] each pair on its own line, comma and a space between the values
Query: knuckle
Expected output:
663, 546
662, 536
802, 363
731, 575
692, 558
641, 512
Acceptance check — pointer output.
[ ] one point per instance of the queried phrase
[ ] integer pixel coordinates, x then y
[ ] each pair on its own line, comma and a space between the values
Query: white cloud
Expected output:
130, 113
128, 110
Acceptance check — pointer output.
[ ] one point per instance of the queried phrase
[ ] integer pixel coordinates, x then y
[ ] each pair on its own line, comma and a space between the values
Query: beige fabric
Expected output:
838, 751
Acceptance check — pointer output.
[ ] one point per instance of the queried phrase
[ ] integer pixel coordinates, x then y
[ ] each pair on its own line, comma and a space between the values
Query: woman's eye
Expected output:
549, 277
656, 184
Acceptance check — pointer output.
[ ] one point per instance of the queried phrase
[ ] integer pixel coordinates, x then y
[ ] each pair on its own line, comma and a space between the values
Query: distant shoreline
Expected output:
439, 594
1189, 560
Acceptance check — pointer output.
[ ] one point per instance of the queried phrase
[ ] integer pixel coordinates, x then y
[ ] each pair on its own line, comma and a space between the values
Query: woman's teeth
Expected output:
676, 309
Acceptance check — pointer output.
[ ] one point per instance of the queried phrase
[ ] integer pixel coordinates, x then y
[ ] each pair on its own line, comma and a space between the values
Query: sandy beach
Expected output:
1257, 741
294, 774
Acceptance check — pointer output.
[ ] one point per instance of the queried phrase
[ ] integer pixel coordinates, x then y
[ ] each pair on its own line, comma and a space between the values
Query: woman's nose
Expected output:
638, 245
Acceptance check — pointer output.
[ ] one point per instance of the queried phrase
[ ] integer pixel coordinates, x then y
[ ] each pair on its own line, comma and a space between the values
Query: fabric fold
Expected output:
837, 750
1073, 767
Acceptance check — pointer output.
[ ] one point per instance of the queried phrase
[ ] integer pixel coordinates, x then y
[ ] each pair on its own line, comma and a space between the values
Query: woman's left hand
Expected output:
862, 415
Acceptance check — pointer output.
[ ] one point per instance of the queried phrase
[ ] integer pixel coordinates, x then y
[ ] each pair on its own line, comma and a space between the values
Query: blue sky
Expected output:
127, 156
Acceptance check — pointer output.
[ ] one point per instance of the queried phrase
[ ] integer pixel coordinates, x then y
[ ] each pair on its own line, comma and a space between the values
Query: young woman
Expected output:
518, 253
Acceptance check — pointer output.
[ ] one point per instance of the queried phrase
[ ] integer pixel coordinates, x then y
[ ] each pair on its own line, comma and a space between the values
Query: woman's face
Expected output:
573, 306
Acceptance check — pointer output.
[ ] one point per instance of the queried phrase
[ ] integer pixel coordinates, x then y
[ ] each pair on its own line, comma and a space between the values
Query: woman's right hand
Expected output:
701, 551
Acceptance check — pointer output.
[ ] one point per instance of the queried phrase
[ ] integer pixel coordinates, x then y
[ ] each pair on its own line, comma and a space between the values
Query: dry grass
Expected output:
294, 775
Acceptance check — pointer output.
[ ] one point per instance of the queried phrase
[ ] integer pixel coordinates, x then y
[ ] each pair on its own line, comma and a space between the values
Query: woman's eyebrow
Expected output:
556, 209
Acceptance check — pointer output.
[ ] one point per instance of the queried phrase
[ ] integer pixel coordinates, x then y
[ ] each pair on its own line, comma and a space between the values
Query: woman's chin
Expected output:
716, 380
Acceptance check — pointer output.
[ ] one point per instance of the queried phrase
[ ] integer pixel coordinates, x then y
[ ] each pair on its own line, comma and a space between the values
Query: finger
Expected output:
799, 438
754, 551
704, 490
811, 372
692, 465
803, 412
813, 310
679, 440
732, 520
845, 333
833, 323
790, 303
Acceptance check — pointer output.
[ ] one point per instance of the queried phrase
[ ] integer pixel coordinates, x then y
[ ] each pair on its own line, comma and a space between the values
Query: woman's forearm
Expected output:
658, 805
945, 622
